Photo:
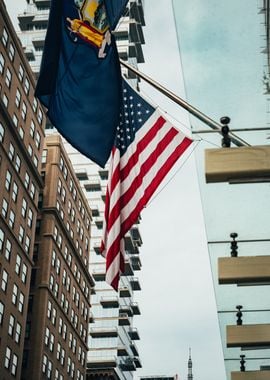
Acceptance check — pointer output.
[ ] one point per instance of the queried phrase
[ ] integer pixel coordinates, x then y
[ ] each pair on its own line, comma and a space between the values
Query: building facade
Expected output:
22, 124
112, 338
56, 340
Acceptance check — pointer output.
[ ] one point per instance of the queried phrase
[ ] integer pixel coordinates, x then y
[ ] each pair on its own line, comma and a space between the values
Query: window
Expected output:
24, 208
15, 294
15, 191
18, 98
37, 140
8, 180
24, 110
30, 218
21, 73
44, 363
2, 310
5, 36
18, 163
11, 51
4, 281
24, 273
11, 325
21, 302
21, 234
7, 357
32, 129
11, 151
44, 156
26, 86
34, 106
40, 116
4, 208
47, 336
2, 132
14, 364
15, 120
32, 191
8, 249
18, 332
30, 150
35, 160
26, 180
21, 133
5, 100
8, 78
51, 346
11, 220
18, 264
27, 243
2, 63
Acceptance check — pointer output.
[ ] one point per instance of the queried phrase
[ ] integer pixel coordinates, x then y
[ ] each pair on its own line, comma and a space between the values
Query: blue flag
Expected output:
80, 77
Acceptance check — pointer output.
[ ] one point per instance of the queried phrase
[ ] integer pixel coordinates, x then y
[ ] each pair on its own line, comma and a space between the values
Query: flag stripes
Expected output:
134, 177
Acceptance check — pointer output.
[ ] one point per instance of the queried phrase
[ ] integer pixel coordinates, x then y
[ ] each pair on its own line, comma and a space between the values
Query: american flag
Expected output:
146, 148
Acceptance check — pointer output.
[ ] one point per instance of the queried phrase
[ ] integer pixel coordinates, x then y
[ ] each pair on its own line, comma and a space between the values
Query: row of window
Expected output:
65, 304
15, 158
73, 191
47, 368
21, 72
6, 247
23, 238
17, 297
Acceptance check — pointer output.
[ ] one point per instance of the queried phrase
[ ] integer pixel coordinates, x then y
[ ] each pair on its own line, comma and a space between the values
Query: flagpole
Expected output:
194, 111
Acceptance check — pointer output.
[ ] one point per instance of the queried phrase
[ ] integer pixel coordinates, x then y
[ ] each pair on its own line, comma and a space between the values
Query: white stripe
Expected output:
131, 205
149, 177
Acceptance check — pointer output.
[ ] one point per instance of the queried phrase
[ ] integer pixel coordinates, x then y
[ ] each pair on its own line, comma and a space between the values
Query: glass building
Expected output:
224, 49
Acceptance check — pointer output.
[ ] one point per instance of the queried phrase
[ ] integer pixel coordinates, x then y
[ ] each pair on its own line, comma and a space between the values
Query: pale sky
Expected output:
177, 299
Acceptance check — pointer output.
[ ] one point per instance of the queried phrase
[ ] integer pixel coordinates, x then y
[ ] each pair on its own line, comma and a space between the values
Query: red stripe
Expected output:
137, 181
131, 219
128, 223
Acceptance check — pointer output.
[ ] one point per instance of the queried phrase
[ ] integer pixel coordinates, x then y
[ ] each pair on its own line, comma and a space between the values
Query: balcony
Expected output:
244, 270
134, 349
97, 248
103, 332
137, 362
135, 284
44, 3
126, 310
109, 302
136, 262
124, 292
99, 223
104, 174
122, 351
135, 233
101, 362
130, 244
135, 308
92, 184
127, 365
81, 174
251, 375
30, 55
248, 336
128, 267
133, 333
123, 319
98, 274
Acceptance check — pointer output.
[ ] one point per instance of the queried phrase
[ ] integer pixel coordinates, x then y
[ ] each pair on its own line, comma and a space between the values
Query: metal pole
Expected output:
194, 111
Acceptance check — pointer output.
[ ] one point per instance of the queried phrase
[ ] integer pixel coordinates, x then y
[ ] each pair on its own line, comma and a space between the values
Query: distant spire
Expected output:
190, 376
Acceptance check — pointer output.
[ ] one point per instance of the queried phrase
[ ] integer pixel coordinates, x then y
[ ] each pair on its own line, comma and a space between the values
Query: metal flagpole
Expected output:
194, 111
